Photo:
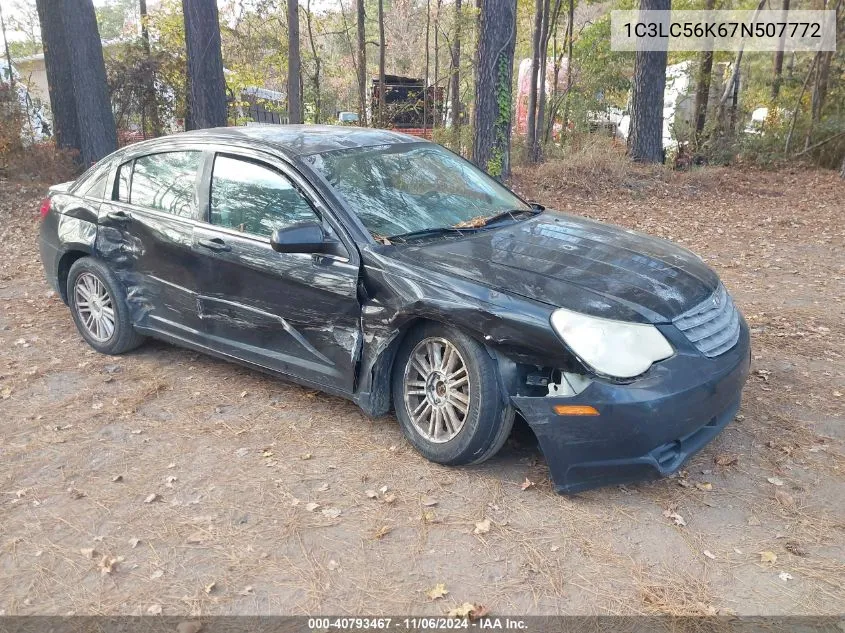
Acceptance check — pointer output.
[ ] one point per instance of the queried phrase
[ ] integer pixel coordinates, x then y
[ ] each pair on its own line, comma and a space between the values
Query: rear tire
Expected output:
99, 309
447, 397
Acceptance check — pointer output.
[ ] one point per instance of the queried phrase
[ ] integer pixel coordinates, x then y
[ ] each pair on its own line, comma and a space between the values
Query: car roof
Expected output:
301, 140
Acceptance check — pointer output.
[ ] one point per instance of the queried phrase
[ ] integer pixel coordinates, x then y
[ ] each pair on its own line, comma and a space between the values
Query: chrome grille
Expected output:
713, 325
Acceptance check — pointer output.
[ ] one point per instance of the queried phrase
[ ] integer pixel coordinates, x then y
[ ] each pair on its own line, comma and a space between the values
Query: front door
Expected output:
294, 313
146, 235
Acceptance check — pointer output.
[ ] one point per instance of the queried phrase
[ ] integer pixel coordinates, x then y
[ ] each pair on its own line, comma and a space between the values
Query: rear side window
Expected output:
96, 188
255, 198
167, 182
124, 176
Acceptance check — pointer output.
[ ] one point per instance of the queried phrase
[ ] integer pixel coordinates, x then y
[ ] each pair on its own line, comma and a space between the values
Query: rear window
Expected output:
167, 182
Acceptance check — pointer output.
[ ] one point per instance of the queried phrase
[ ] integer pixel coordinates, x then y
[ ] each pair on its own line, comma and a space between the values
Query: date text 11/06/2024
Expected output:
417, 624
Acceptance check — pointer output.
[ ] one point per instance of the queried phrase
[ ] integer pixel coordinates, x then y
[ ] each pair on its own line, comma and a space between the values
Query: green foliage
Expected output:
115, 17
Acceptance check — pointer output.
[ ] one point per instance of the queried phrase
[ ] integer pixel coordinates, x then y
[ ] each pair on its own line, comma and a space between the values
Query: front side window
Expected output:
408, 187
254, 198
167, 182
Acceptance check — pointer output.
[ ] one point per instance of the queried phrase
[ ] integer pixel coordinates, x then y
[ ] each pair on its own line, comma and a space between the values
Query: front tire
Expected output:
98, 306
447, 397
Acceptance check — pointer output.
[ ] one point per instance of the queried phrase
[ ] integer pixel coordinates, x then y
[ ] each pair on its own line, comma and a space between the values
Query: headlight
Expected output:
612, 348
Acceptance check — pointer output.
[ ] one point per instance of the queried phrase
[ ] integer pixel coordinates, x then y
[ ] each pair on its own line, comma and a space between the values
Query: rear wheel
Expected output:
98, 306
447, 397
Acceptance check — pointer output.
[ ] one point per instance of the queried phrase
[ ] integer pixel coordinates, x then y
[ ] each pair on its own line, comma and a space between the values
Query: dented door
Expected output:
146, 235
294, 313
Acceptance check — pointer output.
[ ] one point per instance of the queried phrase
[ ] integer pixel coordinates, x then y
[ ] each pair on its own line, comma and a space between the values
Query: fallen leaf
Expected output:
676, 518
196, 538
372, 494
158, 573
383, 490
331, 513
467, 610
709, 554
152, 497
784, 576
706, 486
796, 548
726, 460
768, 557
189, 626
267, 453
525, 486
305, 456
295, 502
117, 478
333, 565
785, 499
429, 516
428, 502
246, 590
323, 488
210, 587
482, 527
89, 552
775, 481
109, 563
311, 507
383, 531
154, 609
389, 499
133, 542
75, 494
437, 591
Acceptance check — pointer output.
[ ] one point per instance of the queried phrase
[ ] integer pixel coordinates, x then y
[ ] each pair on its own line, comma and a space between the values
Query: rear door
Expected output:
146, 235
294, 313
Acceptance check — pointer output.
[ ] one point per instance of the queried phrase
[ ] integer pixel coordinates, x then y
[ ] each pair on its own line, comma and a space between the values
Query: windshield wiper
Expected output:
431, 232
510, 214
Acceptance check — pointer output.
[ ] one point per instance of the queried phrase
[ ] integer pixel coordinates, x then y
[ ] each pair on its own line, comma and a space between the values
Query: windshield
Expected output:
397, 189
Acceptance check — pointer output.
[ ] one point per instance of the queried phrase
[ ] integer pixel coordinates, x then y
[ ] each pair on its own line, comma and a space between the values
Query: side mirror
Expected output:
307, 237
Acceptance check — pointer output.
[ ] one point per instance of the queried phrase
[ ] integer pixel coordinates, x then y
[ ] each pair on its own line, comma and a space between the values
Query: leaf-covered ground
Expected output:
167, 482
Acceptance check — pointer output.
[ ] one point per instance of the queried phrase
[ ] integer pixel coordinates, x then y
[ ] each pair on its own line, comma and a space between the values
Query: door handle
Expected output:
215, 244
118, 216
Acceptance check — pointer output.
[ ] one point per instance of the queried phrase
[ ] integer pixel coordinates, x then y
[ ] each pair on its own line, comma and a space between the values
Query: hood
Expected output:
575, 263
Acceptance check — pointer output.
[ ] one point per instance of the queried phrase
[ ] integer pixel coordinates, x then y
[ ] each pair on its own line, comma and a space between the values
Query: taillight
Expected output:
45, 207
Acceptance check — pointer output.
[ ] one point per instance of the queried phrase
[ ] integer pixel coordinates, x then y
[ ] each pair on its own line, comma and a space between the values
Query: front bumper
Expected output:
645, 429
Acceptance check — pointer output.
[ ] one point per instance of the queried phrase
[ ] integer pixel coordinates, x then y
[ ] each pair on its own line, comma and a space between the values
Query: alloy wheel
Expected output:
437, 389
94, 307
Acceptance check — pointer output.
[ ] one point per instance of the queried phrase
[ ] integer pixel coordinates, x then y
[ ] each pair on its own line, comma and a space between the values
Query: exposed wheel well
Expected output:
382, 372
65, 263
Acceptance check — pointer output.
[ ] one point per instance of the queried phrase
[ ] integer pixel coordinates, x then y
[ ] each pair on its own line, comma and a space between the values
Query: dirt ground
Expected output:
166, 481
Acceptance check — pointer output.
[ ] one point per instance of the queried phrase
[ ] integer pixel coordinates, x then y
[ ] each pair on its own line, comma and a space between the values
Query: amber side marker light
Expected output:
575, 409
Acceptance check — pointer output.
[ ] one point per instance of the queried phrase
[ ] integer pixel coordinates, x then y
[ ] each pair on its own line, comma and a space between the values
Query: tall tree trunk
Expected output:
353, 53
59, 79
8, 54
702, 88
207, 93
494, 74
97, 134
317, 62
425, 75
541, 88
645, 142
382, 89
570, 35
777, 70
457, 114
150, 102
436, 60
362, 63
536, 38
294, 64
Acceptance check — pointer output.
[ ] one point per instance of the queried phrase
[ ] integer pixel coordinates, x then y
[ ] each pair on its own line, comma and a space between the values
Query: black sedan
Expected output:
385, 269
